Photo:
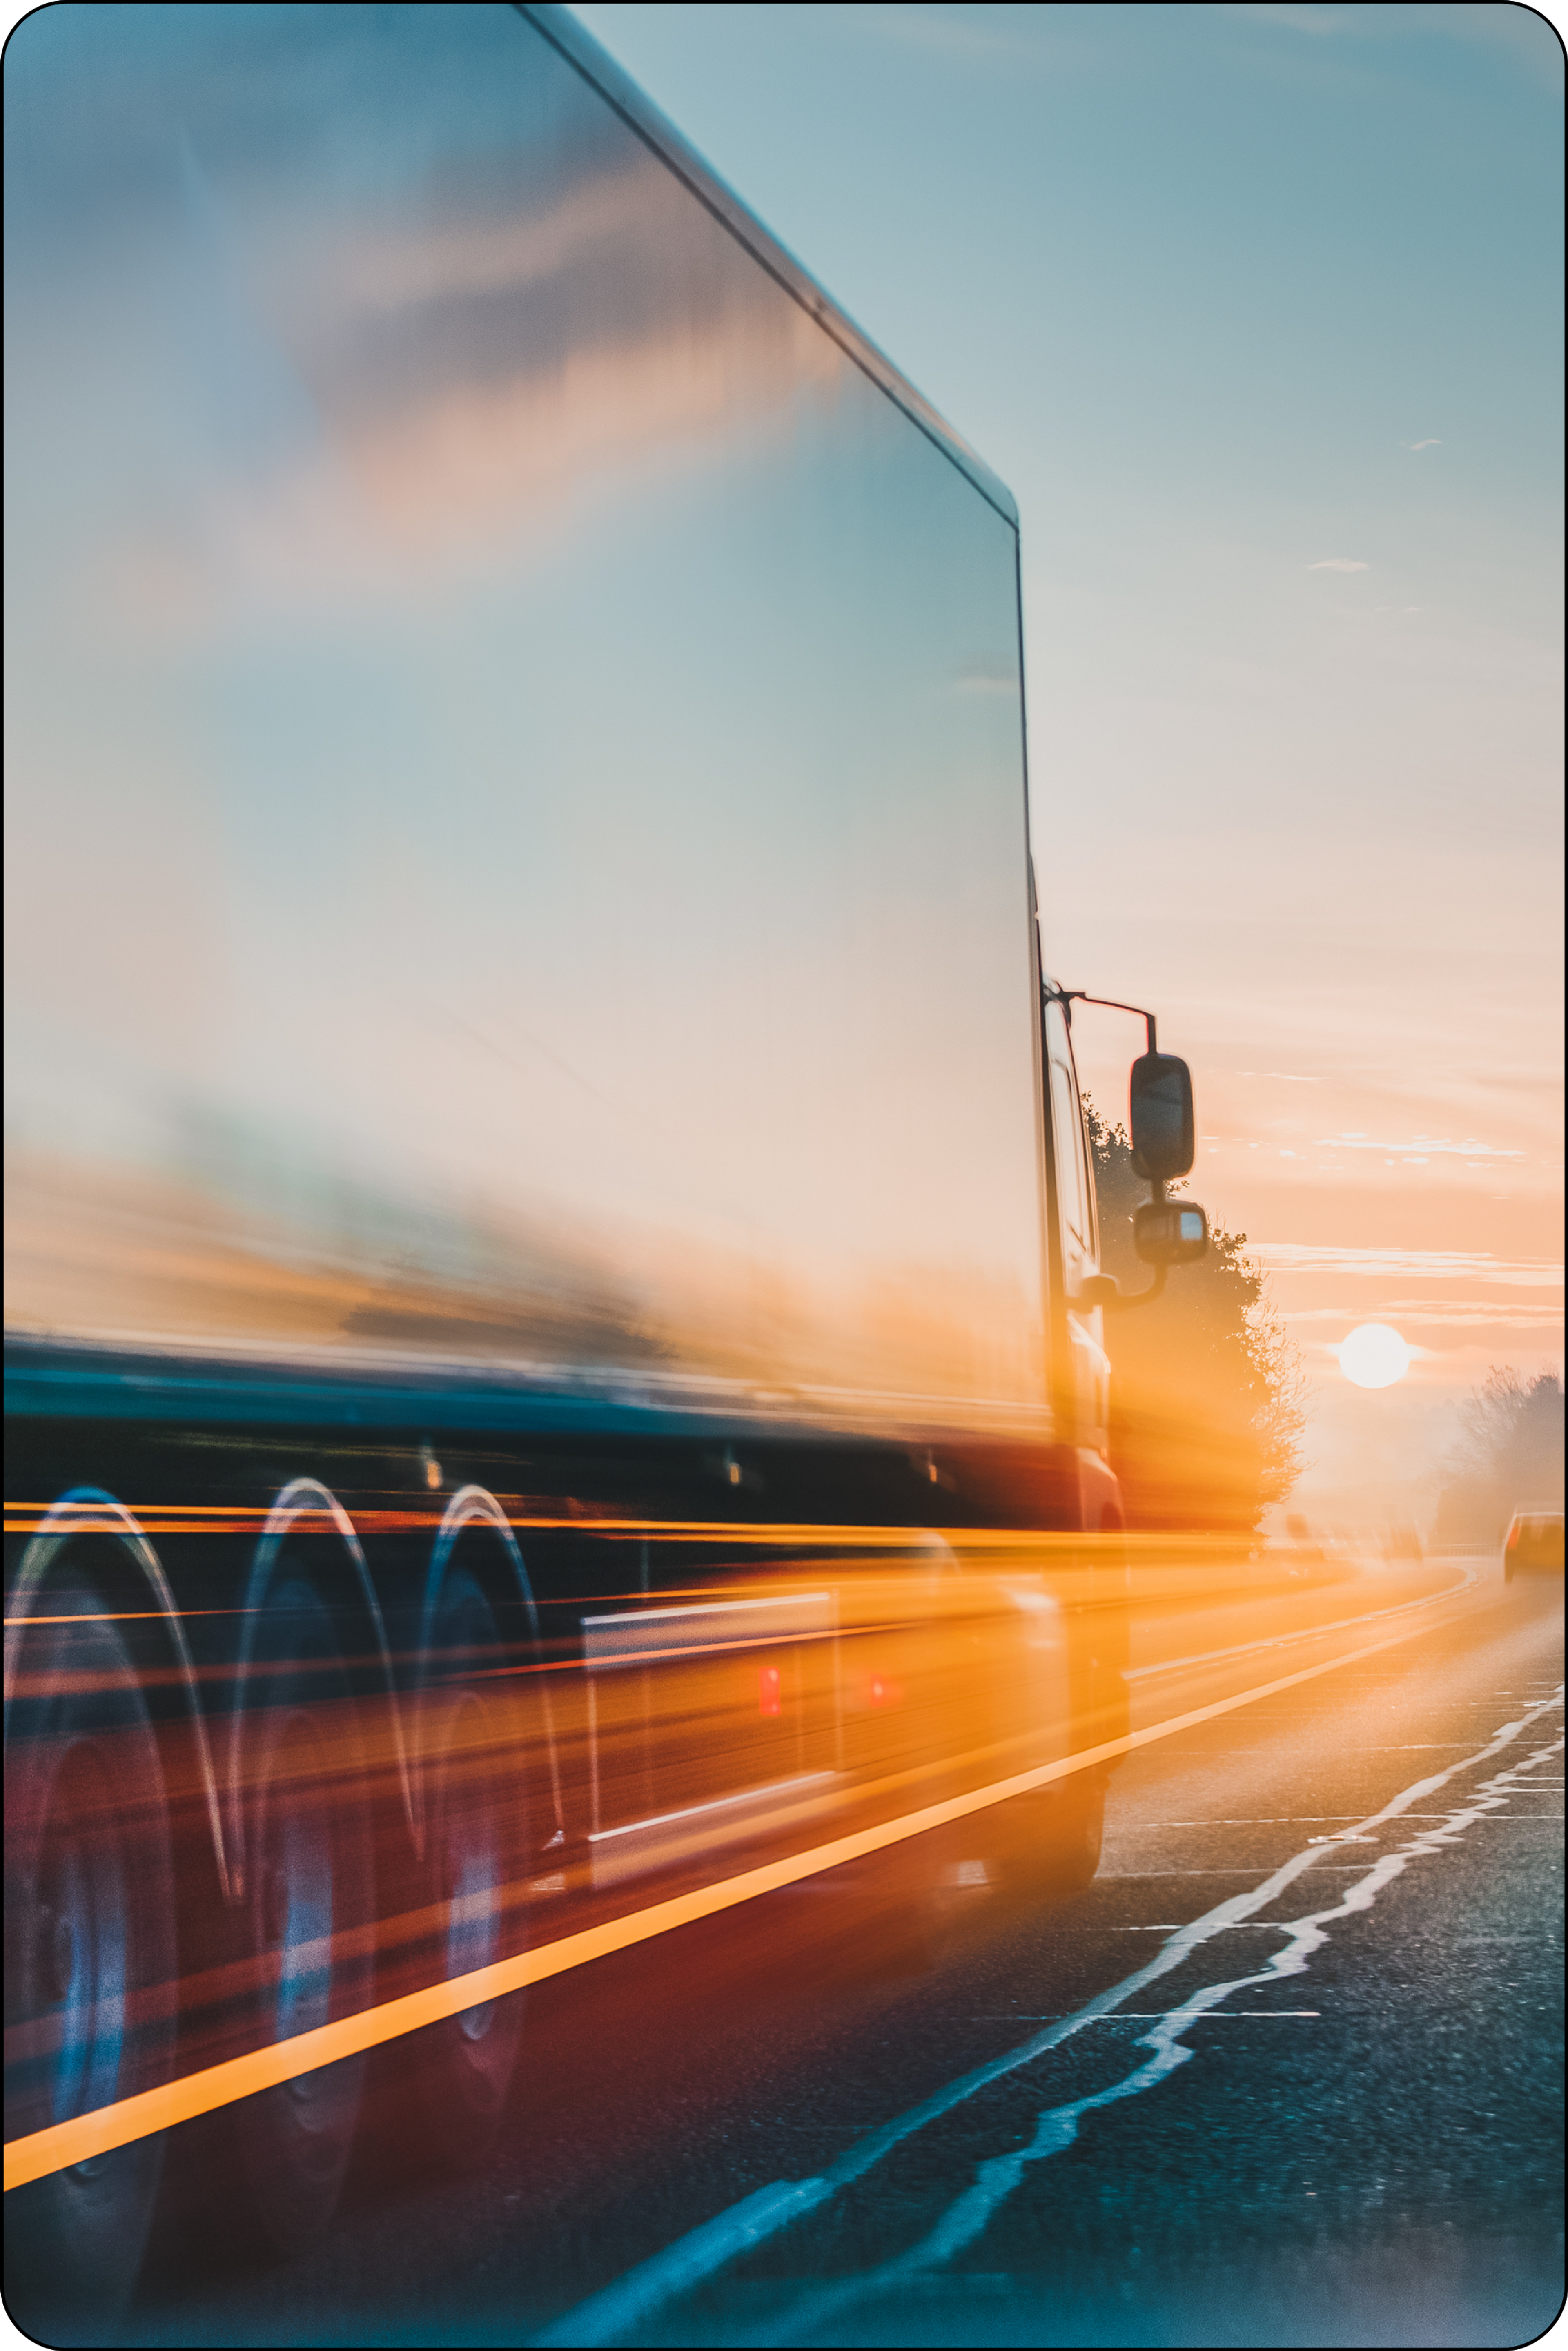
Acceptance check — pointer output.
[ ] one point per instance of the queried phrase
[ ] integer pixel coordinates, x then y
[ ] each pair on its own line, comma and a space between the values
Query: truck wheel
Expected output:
309, 1907
475, 1854
90, 1965
1053, 1840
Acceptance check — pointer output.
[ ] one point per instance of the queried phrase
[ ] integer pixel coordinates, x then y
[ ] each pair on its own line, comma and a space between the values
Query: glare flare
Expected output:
1374, 1356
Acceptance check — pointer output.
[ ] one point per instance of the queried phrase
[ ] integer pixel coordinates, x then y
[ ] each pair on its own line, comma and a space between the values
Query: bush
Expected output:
1207, 1392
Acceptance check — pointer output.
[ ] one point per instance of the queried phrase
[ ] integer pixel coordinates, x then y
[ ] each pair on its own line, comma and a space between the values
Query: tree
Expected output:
1507, 1456
1208, 1391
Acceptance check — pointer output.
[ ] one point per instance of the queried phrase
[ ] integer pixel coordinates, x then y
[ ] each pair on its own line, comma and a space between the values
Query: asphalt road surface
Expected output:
1289, 2072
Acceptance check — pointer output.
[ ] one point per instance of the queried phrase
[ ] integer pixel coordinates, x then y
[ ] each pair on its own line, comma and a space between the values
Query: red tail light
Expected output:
767, 1695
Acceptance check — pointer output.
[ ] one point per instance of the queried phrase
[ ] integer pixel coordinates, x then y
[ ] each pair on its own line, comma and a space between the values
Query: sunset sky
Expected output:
1257, 312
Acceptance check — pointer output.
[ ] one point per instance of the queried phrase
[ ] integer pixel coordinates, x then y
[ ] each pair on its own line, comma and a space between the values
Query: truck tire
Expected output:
475, 1859
91, 1958
1051, 1842
309, 1911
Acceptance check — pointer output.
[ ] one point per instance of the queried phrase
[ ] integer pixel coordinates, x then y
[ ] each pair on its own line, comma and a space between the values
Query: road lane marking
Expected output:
719, 1803
969, 2214
640, 2292
1158, 2015
1309, 1632
75, 2140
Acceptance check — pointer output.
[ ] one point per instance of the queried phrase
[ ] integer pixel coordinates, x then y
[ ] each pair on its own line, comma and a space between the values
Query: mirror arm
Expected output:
1122, 1302
1068, 997
1103, 1289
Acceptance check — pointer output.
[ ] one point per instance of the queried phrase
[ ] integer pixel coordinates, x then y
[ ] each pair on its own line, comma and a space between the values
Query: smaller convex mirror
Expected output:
1170, 1232
1162, 1134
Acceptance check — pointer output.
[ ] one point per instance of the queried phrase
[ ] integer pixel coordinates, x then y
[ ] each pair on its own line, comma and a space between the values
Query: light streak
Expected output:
1468, 1576
718, 1804
82, 2137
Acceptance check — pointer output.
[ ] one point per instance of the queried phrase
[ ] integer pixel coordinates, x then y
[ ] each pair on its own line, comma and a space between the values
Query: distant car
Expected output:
1534, 1542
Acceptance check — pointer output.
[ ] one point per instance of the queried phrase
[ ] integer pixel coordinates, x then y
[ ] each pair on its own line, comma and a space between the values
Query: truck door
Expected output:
1089, 1376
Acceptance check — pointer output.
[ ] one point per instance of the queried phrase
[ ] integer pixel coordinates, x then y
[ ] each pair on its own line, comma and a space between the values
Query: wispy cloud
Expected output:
1522, 33
1423, 445
1339, 563
955, 35
1463, 1314
1285, 1077
1424, 1265
1298, 20
1423, 1143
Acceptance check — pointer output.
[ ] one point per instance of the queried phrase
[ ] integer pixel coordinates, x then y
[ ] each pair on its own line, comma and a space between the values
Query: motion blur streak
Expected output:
816, 1534
636, 2296
83, 2136
1466, 1576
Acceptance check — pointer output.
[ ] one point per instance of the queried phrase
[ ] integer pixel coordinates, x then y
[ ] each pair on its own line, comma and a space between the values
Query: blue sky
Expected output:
1257, 312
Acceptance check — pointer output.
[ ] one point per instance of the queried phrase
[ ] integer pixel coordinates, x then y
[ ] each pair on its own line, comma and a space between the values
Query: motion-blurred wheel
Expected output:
1049, 1845
90, 1961
475, 1854
310, 1909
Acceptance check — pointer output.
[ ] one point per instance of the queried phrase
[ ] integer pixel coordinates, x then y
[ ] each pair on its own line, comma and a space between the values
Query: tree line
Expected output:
1508, 1456
1208, 1397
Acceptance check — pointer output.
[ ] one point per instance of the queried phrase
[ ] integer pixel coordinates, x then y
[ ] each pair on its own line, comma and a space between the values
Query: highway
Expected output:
1289, 2071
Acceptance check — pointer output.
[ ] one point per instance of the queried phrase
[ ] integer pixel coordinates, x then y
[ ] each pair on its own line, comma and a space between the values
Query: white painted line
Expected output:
972, 2212
1149, 2016
1307, 1633
719, 1804
642, 2291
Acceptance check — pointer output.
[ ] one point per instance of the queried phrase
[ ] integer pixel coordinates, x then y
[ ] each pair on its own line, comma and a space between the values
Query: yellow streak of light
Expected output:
125, 1616
85, 2135
26, 1518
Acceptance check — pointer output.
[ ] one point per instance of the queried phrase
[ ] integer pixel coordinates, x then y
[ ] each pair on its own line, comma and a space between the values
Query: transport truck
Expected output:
554, 1367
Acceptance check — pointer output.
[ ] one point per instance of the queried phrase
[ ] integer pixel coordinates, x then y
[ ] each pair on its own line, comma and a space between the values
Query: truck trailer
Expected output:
554, 1364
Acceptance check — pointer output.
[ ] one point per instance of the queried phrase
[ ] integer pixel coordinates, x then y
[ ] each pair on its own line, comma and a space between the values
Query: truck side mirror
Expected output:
1170, 1232
1164, 1140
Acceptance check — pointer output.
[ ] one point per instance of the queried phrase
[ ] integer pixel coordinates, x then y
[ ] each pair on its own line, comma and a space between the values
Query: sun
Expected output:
1374, 1356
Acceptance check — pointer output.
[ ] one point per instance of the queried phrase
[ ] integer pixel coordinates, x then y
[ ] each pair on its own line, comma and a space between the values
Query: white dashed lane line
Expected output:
635, 2297
996, 2178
